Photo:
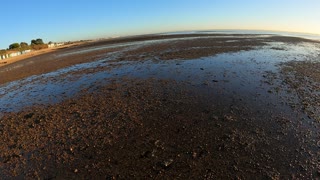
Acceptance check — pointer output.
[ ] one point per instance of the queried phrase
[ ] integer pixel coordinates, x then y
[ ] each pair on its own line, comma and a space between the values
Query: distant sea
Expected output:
302, 35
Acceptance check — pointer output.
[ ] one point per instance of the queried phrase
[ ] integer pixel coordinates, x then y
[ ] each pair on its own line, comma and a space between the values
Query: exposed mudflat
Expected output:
177, 106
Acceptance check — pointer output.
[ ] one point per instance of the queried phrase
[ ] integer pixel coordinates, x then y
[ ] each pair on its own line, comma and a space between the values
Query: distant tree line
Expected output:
35, 44
38, 44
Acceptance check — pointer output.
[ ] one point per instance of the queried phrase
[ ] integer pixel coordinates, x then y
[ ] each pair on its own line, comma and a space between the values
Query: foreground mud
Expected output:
199, 108
304, 78
150, 129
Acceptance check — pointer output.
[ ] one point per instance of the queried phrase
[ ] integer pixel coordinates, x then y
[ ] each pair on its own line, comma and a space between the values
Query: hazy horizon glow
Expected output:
74, 20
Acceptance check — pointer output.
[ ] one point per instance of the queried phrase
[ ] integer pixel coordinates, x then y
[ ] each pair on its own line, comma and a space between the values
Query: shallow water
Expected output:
257, 32
239, 74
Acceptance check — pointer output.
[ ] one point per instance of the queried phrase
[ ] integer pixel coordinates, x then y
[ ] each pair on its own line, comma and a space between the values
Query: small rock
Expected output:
76, 170
235, 168
194, 154
157, 143
302, 168
229, 118
28, 116
37, 121
146, 154
214, 117
167, 163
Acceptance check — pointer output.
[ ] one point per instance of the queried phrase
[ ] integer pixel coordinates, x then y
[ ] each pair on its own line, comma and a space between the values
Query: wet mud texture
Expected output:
133, 128
150, 129
304, 78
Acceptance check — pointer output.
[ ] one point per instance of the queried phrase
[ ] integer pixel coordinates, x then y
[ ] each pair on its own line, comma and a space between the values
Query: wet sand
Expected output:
210, 107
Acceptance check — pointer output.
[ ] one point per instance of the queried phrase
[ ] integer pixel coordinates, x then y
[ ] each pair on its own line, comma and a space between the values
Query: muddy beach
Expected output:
197, 106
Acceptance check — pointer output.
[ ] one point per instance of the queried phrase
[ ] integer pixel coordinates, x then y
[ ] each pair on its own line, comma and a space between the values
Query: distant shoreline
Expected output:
177, 34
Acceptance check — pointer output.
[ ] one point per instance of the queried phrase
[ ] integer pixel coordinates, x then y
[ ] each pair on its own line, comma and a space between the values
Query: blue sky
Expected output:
59, 20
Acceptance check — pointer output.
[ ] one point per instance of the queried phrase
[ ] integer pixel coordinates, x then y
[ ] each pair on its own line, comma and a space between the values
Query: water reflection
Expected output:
240, 73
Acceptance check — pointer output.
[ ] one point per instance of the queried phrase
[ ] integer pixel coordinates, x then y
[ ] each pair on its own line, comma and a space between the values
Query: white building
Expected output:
51, 45
12, 53
26, 51
4, 56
